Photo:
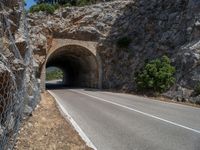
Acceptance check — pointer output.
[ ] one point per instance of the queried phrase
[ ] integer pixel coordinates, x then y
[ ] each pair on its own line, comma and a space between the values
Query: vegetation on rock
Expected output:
68, 2
157, 75
48, 8
85, 2
197, 89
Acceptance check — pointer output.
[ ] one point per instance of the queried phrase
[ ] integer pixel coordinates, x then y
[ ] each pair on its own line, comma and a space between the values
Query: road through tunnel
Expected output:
79, 66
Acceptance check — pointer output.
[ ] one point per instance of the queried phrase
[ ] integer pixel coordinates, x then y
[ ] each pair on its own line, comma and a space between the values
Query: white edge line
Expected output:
143, 113
155, 100
73, 122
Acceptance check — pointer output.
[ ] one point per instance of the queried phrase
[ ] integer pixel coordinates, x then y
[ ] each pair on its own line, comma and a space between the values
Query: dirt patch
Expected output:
48, 130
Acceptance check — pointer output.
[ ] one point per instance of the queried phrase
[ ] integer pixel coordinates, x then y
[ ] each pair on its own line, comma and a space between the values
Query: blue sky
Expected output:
29, 3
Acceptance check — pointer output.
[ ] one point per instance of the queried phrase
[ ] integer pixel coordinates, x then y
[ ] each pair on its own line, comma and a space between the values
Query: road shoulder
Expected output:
47, 129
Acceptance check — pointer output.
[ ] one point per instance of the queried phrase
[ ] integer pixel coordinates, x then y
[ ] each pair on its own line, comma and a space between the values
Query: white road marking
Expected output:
158, 101
138, 111
73, 122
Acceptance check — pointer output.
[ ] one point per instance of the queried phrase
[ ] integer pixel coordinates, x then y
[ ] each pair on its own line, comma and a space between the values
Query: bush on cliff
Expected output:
67, 3
197, 89
48, 8
84, 2
157, 75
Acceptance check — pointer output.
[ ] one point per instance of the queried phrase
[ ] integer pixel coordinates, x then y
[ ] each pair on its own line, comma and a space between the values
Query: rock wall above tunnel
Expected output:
90, 23
155, 27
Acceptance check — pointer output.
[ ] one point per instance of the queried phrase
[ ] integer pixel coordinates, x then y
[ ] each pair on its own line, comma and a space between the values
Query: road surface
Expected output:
114, 121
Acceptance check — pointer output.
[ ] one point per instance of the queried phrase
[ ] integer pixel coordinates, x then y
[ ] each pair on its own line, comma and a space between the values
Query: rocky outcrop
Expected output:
87, 23
155, 27
18, 84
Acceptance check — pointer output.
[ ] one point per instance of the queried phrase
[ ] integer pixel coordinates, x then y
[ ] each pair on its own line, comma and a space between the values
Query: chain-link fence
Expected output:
19, 92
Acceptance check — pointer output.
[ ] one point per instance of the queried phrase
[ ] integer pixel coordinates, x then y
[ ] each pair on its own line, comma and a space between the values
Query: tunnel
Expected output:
79, 66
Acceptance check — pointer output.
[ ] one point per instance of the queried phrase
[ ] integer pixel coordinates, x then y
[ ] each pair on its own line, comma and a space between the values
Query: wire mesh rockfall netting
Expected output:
19, 88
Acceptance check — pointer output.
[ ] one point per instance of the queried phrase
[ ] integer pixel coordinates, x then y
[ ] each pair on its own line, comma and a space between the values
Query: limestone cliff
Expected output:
155, 27
19, 88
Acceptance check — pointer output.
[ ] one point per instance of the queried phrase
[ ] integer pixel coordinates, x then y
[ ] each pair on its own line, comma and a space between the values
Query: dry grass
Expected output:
48, 130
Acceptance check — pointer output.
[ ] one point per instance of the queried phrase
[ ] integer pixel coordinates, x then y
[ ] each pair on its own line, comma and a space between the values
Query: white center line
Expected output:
138, 111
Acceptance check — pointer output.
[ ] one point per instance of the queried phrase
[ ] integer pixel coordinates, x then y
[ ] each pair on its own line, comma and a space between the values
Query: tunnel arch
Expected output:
81, 66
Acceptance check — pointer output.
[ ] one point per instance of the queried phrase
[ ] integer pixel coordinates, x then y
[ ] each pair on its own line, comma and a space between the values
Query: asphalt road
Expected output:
114, 121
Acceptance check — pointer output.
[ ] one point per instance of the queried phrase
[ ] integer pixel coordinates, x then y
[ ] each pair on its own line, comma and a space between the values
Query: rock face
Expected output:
155, 27
80, 23
16, 71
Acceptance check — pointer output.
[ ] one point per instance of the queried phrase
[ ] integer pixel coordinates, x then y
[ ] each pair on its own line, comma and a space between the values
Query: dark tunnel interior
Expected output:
79, 66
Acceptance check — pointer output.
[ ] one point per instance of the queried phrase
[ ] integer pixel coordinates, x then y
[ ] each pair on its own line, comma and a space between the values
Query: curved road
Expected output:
114, 121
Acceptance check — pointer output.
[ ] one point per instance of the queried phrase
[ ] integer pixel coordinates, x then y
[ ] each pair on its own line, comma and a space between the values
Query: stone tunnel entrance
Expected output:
79, 65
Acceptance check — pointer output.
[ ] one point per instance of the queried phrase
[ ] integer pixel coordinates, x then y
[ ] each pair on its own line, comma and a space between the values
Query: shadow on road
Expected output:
58, 85
54, 86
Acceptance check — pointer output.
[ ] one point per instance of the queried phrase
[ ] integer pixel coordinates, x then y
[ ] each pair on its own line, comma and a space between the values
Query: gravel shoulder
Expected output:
47, 129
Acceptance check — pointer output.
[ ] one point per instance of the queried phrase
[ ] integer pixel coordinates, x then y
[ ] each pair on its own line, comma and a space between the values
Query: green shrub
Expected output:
84, 2
67, 5
48, 8
123, 42
56, 6
157, 75
197, 89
